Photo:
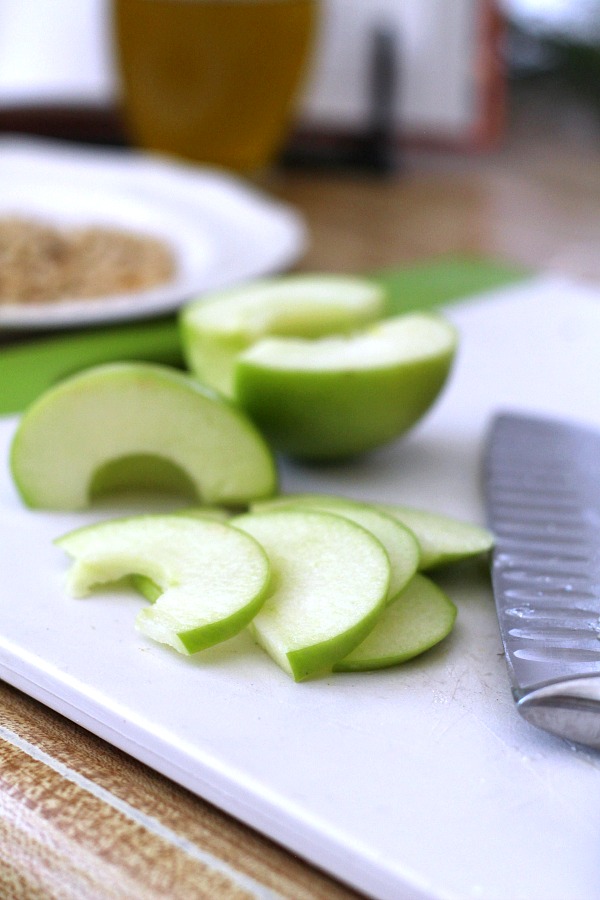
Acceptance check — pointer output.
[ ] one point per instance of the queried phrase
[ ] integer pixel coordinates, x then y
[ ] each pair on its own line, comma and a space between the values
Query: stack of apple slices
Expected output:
324, 583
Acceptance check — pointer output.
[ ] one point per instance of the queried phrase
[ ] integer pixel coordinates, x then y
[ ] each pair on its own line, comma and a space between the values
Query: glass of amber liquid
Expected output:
212, 81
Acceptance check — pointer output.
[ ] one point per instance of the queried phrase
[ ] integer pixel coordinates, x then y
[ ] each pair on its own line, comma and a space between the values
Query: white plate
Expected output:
221, 229
411, 783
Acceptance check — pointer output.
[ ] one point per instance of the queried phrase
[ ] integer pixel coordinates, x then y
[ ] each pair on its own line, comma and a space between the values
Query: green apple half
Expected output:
338, 396
441, 539
330, 581
420, 617
399, 543
212, 579
215, 329
137, 425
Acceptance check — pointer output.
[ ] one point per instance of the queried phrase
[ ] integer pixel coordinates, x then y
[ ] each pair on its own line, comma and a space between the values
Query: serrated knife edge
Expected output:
554, 671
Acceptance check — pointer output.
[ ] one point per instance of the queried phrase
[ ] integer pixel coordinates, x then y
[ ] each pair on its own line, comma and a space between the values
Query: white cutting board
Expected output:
416, 782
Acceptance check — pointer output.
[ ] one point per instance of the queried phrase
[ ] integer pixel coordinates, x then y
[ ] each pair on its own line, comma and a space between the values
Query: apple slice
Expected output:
215, 329
400, 544
442, 539
137, 425
212, 578
148, 588
338, 396
419, 618
330, 583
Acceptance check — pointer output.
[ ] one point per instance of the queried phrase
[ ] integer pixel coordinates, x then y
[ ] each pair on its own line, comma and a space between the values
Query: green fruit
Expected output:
441, 539
212, 579
137, 425
338, 396
420, 617
217, 328
330, 581
399, 543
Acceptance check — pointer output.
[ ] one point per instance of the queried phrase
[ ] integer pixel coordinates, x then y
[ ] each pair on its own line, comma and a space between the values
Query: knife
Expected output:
542, 494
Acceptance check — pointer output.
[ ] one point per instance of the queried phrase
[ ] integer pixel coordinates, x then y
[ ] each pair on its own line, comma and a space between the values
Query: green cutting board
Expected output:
29, 367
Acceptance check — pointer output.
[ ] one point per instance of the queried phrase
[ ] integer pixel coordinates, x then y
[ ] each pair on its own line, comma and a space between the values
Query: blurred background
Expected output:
456, 75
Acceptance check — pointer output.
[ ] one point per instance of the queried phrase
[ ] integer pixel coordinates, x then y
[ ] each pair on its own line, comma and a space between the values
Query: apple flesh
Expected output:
211, 579
148, 588
335, 397
399, 543
217, 328
418, 619
137, 425
330, 582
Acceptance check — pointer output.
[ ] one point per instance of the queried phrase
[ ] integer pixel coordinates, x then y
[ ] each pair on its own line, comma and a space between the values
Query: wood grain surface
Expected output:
78, 818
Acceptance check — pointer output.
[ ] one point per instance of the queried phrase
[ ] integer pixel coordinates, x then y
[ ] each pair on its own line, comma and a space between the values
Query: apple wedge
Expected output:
330, 582
420, 617
137, 425
440, 539
335, 397
212, 579
215, 329
399, 543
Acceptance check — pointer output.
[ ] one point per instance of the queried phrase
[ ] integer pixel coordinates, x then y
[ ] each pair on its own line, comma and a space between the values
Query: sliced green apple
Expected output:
420, 617
137, 425
400, 544
338, 396
442, 539
212, 578
330, 582
148, 588
215, 329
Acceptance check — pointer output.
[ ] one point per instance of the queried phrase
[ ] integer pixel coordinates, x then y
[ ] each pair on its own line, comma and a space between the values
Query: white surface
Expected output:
56, 51
221, 230
416, 782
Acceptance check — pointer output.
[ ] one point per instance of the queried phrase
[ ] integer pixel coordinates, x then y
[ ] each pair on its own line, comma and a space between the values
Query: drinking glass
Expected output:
213, 81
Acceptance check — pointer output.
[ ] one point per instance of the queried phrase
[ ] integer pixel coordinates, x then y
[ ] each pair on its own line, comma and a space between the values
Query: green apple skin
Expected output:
210, 579
442, 539
137, 425
327, 403
330, 582
420, 617
217, 328
398, 541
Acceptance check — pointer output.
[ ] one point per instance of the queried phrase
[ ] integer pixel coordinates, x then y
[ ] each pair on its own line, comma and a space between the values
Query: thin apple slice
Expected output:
420, 617
330, 583
400, 544
148, 588
137, 425
212, 578
215, 329
442, 539
335, 397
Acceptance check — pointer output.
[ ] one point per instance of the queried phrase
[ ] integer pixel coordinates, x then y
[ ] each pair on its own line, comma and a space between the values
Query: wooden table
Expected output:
78, 818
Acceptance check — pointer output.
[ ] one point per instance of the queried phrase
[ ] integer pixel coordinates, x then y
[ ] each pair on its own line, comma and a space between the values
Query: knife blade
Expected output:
542, 496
